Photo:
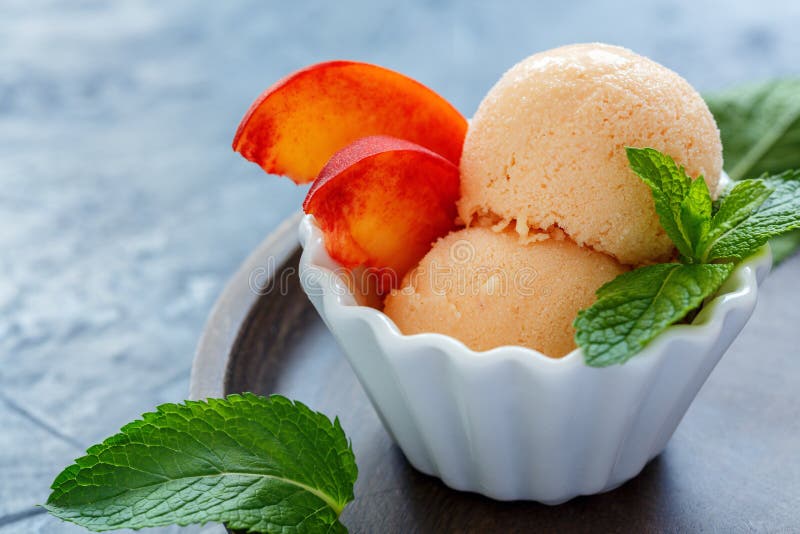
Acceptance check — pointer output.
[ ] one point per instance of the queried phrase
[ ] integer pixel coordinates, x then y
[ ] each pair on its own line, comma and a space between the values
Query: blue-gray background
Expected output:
123, 209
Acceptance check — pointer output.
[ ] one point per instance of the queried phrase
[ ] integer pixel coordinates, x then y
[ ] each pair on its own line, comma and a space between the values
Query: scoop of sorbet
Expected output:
546, 148
487, 290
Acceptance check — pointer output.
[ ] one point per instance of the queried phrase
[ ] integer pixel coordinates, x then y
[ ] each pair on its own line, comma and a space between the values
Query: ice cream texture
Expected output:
546, 148
551, 206
486, 289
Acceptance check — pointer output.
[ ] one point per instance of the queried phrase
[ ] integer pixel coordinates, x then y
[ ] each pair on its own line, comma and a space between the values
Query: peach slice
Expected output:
296, 125
381, 202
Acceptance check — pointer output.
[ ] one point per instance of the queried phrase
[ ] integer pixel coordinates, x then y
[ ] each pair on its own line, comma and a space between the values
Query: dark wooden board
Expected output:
733, 465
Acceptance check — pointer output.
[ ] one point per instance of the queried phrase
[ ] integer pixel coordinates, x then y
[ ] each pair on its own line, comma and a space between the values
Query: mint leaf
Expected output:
735, 206
670, 186
636, 306
255, 463
778, 214
683, 205
760, 127
696, 214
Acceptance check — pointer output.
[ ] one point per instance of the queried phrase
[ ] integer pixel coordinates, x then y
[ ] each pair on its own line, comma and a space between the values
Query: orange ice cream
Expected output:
546, 148
487, 290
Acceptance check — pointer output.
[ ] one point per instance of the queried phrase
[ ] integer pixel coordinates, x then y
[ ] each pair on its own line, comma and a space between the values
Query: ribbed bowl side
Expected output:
511, 423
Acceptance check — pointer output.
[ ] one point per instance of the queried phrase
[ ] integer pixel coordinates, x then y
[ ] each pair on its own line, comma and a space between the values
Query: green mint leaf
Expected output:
255, 463
778, 214
696, 214
636, 306
682, 208
760, 127
736, 205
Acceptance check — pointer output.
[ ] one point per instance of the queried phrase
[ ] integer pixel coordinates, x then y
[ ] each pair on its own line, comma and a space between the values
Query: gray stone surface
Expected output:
123, 209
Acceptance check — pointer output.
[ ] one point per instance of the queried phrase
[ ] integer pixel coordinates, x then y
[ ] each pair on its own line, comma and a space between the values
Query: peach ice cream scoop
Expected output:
486, 289
545, 149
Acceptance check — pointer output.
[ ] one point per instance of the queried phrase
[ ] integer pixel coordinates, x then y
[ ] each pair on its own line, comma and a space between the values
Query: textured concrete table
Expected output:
123, 209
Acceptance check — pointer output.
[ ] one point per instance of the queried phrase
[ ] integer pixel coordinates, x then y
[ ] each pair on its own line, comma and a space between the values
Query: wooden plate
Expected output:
732, 465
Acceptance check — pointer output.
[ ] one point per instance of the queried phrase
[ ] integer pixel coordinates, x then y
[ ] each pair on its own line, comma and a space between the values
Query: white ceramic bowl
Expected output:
511, 423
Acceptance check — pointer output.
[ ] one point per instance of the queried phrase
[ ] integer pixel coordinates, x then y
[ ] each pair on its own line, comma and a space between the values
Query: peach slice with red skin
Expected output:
296, 125
381, 202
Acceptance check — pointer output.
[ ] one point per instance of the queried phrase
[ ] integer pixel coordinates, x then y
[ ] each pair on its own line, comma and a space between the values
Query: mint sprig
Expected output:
254, 463
631, 310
